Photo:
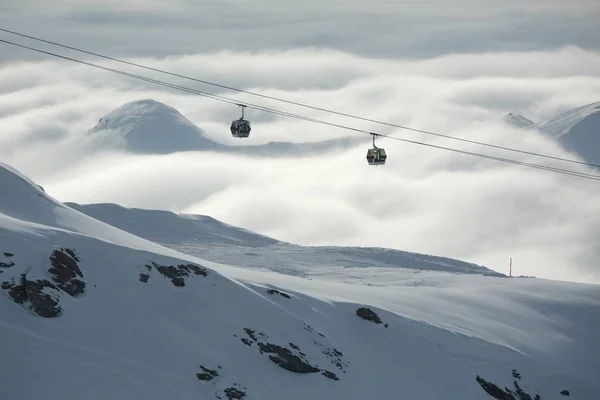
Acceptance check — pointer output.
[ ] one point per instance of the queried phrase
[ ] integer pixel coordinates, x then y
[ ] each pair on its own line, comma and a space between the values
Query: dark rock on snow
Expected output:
179, 273
275, 291
65, 271
144, 278
207, 375
506, 394
8, 264
330, 375
286, 359
41, 295
368, 314
233, 393
565, 393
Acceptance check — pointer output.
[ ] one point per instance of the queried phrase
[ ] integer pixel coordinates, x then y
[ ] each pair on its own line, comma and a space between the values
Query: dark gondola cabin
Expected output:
376, 156
240, 128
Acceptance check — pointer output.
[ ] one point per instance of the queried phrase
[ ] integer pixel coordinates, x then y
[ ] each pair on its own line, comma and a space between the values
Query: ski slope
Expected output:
120, 325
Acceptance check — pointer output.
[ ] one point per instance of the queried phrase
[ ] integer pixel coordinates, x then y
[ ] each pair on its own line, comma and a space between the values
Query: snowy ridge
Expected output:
565, 122
205, 237
577, 130
90, 311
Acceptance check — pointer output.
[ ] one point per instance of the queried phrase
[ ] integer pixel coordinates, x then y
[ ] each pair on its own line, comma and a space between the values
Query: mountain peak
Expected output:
518, 120
149, 126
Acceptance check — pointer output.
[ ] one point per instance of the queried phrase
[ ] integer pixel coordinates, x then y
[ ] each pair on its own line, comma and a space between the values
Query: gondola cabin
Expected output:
376, 156
240, 128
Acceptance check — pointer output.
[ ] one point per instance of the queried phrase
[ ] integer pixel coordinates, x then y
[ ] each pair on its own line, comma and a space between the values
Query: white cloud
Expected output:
424, 200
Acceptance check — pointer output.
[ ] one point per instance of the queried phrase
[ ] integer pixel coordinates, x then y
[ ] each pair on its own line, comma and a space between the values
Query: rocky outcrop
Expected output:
65, 272
233, 393
40, 295
292, 358
207, 374
506, 394
178, 273
369, 315
286, 359
275, 291
7, 262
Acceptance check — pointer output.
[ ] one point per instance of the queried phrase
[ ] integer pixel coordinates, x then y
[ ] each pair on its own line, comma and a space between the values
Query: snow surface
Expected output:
126, 339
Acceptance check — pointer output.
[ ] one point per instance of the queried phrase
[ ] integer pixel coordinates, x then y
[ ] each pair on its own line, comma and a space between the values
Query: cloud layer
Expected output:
424, 199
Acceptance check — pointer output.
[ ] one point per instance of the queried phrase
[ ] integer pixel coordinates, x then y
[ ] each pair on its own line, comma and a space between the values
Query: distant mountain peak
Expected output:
518, 120
149, 126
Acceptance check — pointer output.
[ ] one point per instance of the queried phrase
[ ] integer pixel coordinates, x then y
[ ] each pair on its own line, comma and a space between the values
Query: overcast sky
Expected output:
390, 29
454, 67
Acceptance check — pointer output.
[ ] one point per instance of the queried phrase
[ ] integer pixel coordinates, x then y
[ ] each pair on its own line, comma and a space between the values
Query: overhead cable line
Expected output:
301, 104
283, 113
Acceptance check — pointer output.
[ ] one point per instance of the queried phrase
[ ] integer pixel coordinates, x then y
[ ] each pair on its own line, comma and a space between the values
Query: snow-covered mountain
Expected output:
92, 312
148, 126
203, 236
577, 130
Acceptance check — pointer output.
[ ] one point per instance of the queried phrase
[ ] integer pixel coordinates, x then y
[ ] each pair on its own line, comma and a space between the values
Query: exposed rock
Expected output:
565, 393
494, 390
286, 359
179, 273
330, 375
65, 270
506, 394
368, 314
275, 291
43, 303
41, 295
251, 333
144, 278
335, 357
233, 393
207, 375
9, 263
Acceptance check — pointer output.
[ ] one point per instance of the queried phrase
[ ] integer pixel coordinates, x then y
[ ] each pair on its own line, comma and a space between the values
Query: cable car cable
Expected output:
301, 104
221, 98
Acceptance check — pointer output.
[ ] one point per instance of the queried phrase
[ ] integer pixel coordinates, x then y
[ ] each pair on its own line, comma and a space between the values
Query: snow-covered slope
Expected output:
203, 236
578, 130
91, 312
148, 126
